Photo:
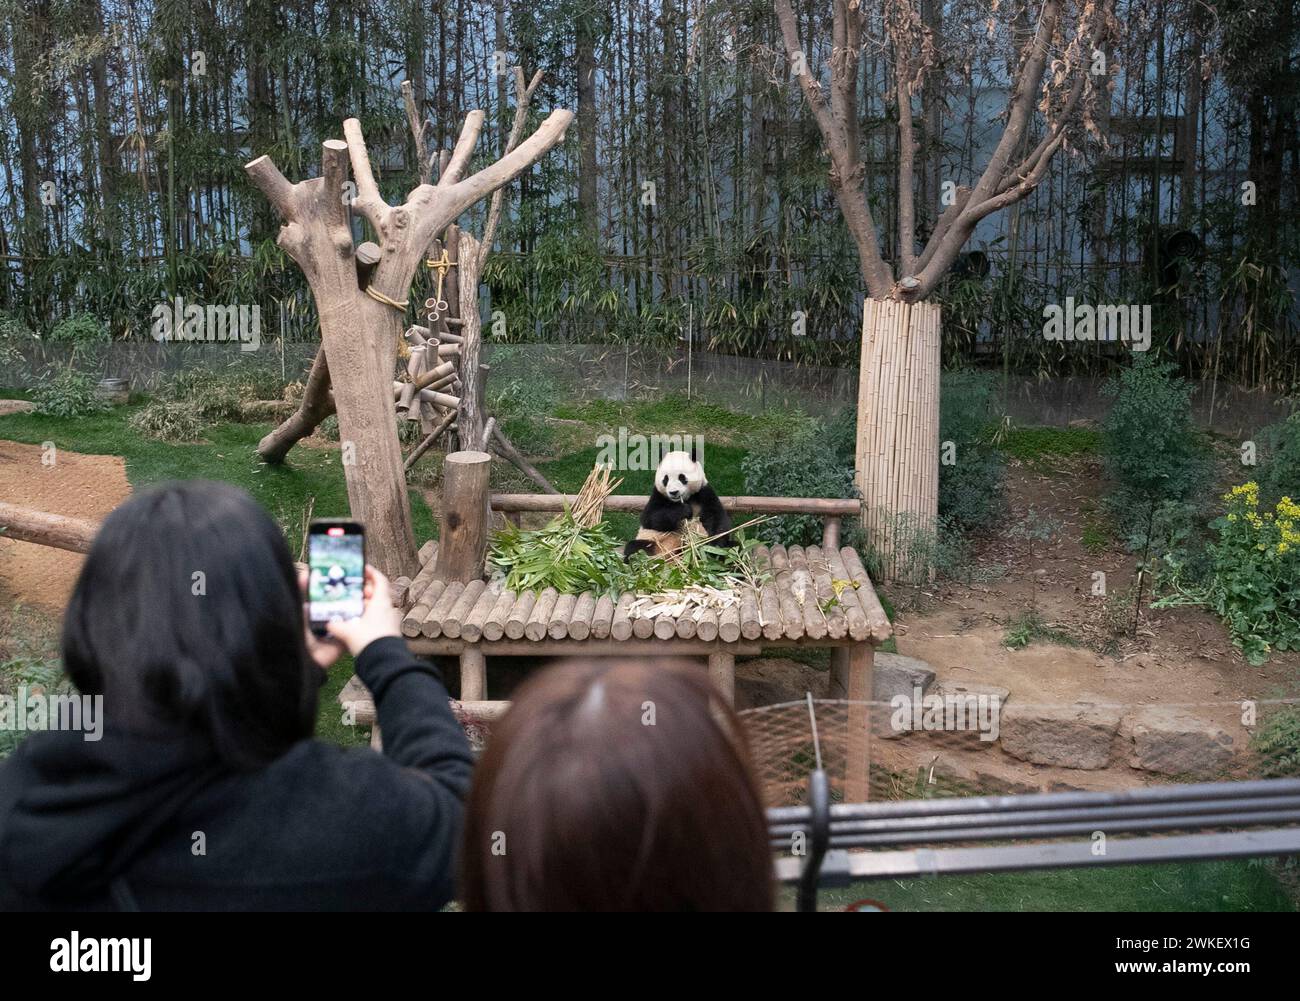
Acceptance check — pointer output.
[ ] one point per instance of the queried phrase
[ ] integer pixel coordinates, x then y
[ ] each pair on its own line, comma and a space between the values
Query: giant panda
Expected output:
682, 501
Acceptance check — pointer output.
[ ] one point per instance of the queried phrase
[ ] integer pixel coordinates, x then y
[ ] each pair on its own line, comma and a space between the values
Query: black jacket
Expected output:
119, 822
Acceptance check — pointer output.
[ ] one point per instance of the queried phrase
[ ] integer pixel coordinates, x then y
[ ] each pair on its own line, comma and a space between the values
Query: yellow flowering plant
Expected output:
1254, 585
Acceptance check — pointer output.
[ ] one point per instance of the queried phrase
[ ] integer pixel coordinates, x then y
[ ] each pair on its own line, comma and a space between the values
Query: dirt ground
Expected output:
83, 486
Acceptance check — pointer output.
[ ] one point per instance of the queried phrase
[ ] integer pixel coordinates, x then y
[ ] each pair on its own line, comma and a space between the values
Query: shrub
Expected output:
820, 471
1150, 445
69, 393
1279, 476
14, 328
80, 328
164, 421
1277, 742
970, 486
1254, 580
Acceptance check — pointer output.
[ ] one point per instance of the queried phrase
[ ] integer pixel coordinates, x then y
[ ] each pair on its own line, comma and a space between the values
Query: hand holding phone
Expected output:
336, 561
379, 619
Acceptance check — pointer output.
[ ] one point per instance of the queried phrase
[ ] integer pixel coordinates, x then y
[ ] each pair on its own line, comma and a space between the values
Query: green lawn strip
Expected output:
1033, 445
1236, 885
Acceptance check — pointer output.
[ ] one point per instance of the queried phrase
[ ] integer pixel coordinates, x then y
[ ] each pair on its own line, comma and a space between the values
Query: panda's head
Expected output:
679, 476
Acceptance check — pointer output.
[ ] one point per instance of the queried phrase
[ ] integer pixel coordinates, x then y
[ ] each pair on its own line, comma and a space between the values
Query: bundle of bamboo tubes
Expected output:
589, 507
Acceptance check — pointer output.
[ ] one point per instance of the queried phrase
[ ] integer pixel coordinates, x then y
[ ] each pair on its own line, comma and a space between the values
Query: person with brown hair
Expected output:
616, 785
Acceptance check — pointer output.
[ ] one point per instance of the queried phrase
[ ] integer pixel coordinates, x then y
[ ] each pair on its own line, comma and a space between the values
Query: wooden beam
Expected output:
827, 507
28, 525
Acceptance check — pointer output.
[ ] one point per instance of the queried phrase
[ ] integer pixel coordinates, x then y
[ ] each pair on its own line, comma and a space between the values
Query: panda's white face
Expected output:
679, 476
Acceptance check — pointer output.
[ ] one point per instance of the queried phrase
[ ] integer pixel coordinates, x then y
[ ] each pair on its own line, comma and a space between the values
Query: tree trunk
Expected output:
469, 420
898, 431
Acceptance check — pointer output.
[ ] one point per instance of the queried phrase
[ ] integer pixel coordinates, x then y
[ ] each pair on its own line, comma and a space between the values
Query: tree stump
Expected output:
462, 544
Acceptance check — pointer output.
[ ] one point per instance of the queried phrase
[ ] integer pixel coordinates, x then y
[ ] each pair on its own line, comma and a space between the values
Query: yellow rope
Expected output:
380, 297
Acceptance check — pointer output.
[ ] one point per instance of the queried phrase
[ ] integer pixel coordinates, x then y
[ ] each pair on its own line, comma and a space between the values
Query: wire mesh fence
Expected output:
969, 745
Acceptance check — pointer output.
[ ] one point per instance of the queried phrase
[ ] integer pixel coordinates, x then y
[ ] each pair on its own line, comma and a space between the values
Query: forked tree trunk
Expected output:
897, 457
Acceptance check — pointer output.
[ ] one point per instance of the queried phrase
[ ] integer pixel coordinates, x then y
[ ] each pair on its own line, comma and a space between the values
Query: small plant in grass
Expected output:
166, 421
68, 393
329, 427
1254, 581
1277, 743
80, 329
1029, 627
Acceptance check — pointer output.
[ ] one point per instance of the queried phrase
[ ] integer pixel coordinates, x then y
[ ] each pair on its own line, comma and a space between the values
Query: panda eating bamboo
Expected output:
682, 501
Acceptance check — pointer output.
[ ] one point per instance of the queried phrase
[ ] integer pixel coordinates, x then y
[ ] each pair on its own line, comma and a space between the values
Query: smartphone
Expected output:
336, 569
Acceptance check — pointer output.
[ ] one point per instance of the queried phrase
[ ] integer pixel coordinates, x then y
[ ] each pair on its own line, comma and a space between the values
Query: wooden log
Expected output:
722, 672
831, 533
621, 626
580, 621
473, 674
602, 617
432, 624
507, 450
643, 628
818, 565
857, 769
791, 613
877, 620
855, 618
455, 617
769, 603
538, 623
664, 628
519, 613
707, 626
558, 625
427, 444
729, 624
399, 591
750, 626
805, 592
494, 626
316, 404
28, 525
472, 628
462, 545
413, 621
686, 626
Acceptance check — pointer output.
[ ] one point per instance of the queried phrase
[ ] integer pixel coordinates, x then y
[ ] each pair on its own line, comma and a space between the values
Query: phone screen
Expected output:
336, 560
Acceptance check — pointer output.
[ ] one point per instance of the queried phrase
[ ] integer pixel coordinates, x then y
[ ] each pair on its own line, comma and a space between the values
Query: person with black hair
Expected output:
206, 790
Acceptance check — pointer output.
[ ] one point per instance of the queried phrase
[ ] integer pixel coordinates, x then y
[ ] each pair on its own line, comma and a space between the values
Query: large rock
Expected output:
893, 675
977, 709
1172, 741
1067, 736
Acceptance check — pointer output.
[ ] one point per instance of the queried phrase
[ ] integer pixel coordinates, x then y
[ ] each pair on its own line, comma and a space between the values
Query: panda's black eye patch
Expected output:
682, 477
665, 481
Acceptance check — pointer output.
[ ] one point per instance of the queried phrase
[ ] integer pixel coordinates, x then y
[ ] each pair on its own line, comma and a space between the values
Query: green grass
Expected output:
1029, 627
673, 414
1201, 886
1035, 444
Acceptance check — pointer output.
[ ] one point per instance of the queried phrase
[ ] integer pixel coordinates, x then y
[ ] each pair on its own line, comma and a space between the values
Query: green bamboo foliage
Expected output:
692, 192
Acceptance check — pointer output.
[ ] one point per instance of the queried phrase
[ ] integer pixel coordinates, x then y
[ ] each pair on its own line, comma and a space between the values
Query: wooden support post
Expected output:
831, 533
473, 675
857, 770
722, 672
839, 684
462, 544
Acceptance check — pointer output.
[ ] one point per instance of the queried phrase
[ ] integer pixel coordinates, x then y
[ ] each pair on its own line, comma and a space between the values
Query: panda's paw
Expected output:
637, 546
